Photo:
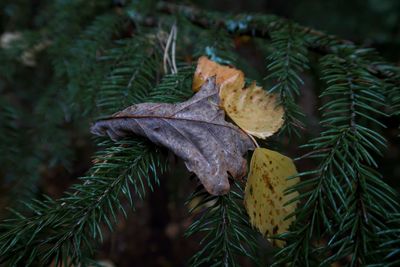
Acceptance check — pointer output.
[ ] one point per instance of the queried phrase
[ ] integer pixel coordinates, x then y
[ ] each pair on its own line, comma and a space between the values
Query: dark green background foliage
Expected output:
68, 199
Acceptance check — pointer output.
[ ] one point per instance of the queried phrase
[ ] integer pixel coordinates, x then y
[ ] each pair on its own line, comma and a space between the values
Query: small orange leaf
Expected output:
225, 75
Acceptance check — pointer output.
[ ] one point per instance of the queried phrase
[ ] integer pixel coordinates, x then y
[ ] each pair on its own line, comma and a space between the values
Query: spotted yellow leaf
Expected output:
252, 109
264, 194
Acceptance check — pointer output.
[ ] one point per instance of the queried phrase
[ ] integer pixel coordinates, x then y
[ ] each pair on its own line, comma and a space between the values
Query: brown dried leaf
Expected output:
195, 130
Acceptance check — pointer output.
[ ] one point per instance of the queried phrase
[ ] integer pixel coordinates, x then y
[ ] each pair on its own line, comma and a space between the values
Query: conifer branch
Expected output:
82, 62
225, 224
14, 147
102, 62
131, 74
286, 62
392, 90
346, 202
66, 228
262, 27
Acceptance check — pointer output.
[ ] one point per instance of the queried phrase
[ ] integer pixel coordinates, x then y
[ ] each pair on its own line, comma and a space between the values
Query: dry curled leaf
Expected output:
195, 130
252, 109
264, 194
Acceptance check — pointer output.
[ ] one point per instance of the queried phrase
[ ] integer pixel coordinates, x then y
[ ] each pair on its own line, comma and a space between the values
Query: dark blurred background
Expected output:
153, 236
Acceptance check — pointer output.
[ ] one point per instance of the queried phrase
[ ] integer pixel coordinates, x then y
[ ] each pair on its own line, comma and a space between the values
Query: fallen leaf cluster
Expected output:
214, 149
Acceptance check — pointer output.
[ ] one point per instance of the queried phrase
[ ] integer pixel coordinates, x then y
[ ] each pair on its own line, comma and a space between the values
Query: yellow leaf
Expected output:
252, 109
264, 194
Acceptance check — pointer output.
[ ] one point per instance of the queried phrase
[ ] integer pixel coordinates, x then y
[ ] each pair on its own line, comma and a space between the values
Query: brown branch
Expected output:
323, 43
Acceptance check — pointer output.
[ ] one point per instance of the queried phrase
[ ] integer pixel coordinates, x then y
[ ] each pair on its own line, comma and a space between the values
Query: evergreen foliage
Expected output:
226, 227
63, 230
346, 201
393, 90
286, 62
103, 58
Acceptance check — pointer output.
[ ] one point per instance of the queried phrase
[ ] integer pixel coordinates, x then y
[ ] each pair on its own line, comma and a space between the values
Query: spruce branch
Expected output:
101, 63
345, 200
392, 90
64, 230
132, 70
64, 26
67, 227
390, 248
224, 222
174, 87
82, 62
286, 62
15, 147
217, 45
262, 26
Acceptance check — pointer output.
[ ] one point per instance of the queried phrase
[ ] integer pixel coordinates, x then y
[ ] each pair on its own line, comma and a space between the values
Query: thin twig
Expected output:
167, 46
161, 42
175, 30
254, 140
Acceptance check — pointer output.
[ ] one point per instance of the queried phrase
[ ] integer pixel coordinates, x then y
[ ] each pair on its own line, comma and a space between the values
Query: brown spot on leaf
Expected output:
268, 183
275, 230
